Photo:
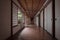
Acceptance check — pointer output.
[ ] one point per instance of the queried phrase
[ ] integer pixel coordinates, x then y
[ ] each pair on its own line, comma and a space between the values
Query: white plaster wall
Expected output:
37, 21
41, 19
5, 19
57, 11
48, 17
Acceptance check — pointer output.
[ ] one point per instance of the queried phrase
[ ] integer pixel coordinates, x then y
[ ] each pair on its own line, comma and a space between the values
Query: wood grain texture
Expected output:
31, 7
32, 33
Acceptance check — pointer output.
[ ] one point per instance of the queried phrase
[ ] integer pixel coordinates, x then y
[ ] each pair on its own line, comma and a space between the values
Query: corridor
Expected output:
29, 19
32, 32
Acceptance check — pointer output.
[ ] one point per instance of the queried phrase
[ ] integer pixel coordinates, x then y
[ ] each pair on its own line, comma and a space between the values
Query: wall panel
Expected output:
15, 15
41, 19
5, 19
48, 18
57, 14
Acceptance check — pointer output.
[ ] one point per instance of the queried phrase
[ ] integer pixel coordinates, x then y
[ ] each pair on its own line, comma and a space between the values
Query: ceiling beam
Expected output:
39, 7
23, 7
27, 8
32, 6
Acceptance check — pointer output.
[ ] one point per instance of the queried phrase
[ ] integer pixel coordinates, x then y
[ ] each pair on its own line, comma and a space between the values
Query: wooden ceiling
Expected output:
31, 7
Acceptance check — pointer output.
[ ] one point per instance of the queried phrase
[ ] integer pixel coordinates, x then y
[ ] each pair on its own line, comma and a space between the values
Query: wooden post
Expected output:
53, 18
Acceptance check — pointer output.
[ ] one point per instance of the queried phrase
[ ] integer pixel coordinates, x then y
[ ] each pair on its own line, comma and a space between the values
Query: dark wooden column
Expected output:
53, 18
39, 19
11, 18
43, 19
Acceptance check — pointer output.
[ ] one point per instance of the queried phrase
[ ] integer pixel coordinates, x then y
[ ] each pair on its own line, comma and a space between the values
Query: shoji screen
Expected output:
15, 15
48, 18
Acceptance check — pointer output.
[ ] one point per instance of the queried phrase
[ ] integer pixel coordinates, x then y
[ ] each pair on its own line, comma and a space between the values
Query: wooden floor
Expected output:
32, 33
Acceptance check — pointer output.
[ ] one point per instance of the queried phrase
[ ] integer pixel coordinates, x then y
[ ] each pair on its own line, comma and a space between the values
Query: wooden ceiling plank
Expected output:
37, 7
36, 2
27, 7
21, 5
42, 2
31, 7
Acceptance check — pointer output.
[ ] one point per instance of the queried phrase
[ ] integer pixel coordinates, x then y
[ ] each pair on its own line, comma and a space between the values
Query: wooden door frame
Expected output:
11, 18
39, 19
53, 18
43, 19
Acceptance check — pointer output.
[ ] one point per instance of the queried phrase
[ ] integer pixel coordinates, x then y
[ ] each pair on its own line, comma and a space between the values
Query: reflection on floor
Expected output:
32, 33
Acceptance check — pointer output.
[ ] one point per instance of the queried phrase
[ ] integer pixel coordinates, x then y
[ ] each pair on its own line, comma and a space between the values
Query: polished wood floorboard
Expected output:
32, 33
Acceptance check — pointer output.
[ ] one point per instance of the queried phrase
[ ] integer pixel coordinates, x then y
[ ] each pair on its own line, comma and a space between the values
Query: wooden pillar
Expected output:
43, 19
11, 18
39, 20
53, 18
